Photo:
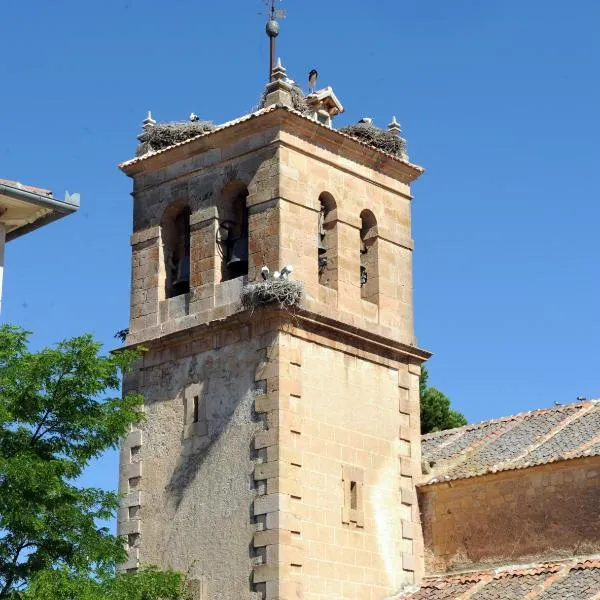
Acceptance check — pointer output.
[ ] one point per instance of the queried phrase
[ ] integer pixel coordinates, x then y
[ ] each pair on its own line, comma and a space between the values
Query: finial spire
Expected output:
272, 29
278, 89
146, 124
148, 121
278, 73
394, 126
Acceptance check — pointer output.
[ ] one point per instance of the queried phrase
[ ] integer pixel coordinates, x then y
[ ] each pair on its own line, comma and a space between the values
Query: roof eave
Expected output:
353, 148
58, 208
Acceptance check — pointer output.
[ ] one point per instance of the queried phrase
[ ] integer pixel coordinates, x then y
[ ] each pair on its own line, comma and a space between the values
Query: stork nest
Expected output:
378, 138
285, 293
163, 135
298, 99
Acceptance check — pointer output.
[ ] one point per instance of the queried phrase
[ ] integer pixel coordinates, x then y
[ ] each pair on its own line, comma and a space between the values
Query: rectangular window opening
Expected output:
134, 483
196, 409
353, 496
135, 453
353, 507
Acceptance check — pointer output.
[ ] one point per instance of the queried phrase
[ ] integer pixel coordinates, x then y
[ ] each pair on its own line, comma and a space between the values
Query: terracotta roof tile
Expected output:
523, 440
515, 586
582, 584
566, 580
259, 113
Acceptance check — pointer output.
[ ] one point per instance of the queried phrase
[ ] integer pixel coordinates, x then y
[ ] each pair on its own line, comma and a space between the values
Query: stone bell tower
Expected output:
280, 450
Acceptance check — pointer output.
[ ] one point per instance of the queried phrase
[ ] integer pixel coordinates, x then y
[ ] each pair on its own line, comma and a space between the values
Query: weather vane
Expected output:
273, 29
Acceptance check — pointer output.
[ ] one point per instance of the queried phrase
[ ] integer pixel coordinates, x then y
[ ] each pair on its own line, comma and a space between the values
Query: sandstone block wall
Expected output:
200, 182
192, 483
549, 511
296, 477
284, 174
339, 517
306, 171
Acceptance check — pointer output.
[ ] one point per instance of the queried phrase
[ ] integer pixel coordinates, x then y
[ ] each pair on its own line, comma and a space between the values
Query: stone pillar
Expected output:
279, 90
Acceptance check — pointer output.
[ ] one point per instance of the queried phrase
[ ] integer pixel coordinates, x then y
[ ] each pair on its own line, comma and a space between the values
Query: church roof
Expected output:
524, 440
415, 170
545, 581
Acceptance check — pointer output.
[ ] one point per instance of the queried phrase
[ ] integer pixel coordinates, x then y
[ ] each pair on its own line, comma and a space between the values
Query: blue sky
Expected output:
498, 100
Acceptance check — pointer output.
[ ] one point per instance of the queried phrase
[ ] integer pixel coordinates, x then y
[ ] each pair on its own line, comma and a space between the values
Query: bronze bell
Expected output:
321, 247
183, 271
181, 281
238, 257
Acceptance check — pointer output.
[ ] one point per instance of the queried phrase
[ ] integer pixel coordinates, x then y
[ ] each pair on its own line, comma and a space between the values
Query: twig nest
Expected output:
381, 139
284, 293
298, 99
163, 135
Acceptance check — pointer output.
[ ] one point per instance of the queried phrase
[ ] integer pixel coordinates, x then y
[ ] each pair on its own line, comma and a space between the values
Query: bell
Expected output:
181, 281
183, 271
322, 249
238, 258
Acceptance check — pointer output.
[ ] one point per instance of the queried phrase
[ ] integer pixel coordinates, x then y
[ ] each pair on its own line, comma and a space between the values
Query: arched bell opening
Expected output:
232, 231
175, 233
369, 257
327, 251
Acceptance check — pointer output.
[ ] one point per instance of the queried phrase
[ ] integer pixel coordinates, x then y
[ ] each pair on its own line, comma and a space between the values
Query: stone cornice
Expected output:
288, 120
354, 339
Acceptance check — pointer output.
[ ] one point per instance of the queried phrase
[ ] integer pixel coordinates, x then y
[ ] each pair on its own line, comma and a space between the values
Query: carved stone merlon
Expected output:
394, 127
279, 90
324, 105
147, 123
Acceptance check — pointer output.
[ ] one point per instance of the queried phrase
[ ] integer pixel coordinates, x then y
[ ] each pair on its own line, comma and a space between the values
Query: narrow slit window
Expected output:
196, 409
195, 422
352, 487
353, 495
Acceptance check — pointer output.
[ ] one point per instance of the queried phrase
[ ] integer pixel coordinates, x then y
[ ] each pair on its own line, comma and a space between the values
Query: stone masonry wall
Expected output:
198, 182
350, 419
194, 497
306, 171
544, 512
295, 477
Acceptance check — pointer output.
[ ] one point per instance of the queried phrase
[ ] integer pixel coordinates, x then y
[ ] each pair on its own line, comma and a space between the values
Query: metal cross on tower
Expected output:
272, 29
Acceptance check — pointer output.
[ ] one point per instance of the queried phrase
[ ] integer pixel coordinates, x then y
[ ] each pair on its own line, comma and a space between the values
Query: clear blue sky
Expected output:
499, 100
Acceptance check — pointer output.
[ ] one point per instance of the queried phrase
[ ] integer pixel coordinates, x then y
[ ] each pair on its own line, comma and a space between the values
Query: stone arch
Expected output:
232, 231
175, 249
327, 241
369, 257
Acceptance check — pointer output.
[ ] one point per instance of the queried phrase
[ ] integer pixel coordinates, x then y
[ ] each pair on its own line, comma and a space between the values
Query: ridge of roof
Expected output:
256, 114
529, 439
521, 415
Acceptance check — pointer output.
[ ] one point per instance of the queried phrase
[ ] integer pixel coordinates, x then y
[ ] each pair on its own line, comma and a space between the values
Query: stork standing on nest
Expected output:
312, 80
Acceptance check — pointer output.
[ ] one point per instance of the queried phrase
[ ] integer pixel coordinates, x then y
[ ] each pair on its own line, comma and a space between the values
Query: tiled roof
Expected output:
570, 580
259, 113
523, 440
27, 188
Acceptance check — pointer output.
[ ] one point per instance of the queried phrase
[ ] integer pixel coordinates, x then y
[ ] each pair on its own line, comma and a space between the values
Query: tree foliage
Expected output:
146, 584
59, 409
436, 414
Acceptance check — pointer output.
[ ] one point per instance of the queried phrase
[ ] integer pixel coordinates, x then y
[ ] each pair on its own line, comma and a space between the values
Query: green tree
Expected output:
146, 584
59, 409
436, 413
